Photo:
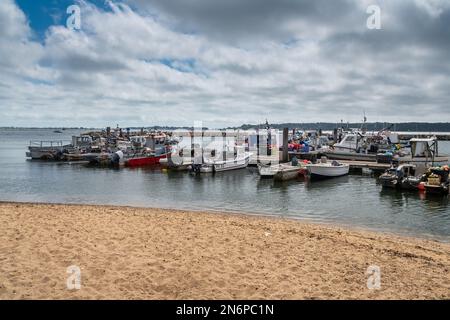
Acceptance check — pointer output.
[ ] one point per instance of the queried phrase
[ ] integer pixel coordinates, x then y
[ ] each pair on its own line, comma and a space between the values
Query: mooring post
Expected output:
257, 145
285, 144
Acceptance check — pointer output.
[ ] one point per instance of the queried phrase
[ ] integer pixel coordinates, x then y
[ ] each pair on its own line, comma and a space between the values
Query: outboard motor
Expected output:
116, 157
196, 168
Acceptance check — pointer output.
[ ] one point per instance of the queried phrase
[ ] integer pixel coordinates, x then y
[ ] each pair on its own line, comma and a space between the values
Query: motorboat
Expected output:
358, 146
226, 165
224, 161
437, 180
401, 177
282, 171
146, 158
327, 169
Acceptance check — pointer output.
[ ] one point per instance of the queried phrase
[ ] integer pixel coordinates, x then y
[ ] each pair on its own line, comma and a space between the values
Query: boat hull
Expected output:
352, 156
286, 174
267, 172
390, 183
323, 171
419, 161
144, 161
227, 165
442, 189
50, 153
238, 164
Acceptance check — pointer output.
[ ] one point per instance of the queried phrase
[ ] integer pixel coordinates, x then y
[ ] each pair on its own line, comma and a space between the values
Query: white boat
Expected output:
280, 172
358, 146
240, 161
327, 169
425, 152
288, 172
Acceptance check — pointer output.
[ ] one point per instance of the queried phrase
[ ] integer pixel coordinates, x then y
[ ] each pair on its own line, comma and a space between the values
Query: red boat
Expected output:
144, 160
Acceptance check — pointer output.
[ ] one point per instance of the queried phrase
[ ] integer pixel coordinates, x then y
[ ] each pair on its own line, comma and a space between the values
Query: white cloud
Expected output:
133, 68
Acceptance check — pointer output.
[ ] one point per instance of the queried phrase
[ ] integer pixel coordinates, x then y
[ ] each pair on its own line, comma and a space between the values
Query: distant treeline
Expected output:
370, 126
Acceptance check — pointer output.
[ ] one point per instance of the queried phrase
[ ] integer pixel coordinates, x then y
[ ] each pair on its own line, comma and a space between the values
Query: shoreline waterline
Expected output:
295, 219
149, 253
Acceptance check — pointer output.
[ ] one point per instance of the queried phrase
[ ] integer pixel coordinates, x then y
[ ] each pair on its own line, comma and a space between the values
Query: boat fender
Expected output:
421, 186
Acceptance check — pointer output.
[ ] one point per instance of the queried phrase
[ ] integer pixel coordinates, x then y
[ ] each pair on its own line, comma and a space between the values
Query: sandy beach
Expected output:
139, 253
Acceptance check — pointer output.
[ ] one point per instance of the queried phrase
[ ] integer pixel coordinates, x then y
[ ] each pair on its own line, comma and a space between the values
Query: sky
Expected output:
225, 63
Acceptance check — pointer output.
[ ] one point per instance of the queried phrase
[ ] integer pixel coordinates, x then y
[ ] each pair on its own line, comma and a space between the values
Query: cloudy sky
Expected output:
223, 62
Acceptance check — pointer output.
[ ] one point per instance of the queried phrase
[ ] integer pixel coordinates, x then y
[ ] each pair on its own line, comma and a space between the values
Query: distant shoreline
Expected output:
141, 253
443, 127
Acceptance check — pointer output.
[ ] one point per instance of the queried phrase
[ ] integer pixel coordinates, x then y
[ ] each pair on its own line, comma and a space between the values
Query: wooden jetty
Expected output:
359, 165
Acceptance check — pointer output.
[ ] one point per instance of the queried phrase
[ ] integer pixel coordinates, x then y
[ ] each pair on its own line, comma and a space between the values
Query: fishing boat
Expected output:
437, 181
327, 169
358, 146
108, 159
146, 158
401, 177
47, 150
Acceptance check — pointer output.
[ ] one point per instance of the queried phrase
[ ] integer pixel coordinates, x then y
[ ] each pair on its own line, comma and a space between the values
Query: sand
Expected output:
140, 253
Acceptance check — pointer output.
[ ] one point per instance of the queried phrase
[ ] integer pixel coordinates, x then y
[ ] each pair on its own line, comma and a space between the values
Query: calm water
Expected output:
355, 200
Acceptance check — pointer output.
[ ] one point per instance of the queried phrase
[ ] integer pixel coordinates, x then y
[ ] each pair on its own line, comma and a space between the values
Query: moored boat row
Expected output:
414, 164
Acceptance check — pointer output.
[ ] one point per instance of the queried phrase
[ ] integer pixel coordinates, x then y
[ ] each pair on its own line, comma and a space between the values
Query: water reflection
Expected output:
356, 199
414, 199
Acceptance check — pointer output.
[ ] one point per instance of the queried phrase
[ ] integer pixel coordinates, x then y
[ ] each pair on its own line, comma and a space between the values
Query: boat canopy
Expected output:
427, 140
424, 147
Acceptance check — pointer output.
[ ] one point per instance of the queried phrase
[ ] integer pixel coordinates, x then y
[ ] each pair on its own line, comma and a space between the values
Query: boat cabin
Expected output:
424, 147
404, 170
138, 141
82, 141
349, 142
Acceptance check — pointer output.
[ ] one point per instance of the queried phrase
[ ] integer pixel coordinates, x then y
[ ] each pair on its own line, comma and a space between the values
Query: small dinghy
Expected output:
282, 171
327, 169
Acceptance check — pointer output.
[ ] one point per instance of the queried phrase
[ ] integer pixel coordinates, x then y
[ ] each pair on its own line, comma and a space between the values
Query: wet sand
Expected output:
139, 253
